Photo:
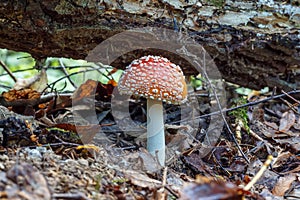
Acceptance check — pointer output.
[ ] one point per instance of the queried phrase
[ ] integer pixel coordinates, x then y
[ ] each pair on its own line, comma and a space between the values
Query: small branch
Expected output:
77, 196
259, 173
5, 86
249, 104
8, 71
74, 73
66, 73
260, 139
292, 106
164, 182
287, 94
242, 106
223, 117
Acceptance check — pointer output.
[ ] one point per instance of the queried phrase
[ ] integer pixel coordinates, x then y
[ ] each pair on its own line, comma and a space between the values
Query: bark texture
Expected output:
252, 44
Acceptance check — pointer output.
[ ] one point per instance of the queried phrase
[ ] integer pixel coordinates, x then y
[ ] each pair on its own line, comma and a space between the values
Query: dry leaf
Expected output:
295, 170
13, 95
297, 125
271, 125
210, 188
149, 163
293, 143
283, 184
92, 88
140, 179
287, 121
196, 162
87, 89
24, 98
281, 159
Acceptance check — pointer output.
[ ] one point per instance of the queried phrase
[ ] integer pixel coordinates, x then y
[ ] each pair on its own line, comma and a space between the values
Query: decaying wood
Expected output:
248, 49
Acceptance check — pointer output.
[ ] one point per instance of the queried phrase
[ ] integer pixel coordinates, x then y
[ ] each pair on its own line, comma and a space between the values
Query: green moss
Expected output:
98, 178
120, 180
241, 113
217, 3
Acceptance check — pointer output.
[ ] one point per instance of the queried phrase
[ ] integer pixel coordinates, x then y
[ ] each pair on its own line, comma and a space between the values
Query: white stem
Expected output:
155, 130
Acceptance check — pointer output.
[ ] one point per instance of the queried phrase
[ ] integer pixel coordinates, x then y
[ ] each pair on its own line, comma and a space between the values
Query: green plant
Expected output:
217, 3
240, 114
22, 65
196, 81
119, 180
98, 178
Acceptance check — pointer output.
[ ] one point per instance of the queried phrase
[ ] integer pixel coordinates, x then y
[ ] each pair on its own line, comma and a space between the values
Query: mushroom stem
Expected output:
155, 130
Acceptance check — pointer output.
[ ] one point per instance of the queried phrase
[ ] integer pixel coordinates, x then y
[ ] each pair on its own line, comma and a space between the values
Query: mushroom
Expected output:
158, 80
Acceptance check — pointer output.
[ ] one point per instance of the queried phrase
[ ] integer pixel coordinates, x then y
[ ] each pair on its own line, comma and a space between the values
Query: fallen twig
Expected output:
224, 119
259, 173
242, 106
77, 196
66, 73
8, 71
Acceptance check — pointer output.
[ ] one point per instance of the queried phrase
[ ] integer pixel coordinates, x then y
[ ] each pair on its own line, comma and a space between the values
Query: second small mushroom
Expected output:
158, 80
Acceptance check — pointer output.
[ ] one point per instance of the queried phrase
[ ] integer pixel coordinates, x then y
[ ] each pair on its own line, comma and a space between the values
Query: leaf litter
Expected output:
77, 161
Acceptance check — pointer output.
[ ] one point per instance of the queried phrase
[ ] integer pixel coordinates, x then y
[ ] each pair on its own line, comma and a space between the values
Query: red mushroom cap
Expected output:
154, 77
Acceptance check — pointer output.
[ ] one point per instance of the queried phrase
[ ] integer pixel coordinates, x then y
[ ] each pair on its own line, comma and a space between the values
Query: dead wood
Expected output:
249, 49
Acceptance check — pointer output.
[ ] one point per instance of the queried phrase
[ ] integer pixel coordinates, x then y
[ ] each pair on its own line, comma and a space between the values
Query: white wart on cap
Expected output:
156, 78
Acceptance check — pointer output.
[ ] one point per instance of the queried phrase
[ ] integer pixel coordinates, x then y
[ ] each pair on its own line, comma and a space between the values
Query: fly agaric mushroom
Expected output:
158, 80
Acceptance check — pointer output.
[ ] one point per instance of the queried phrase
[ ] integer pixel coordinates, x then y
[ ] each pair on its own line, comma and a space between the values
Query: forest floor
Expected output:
43, 157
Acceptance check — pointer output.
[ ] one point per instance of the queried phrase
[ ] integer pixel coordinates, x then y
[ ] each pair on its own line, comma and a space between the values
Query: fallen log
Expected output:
252, 44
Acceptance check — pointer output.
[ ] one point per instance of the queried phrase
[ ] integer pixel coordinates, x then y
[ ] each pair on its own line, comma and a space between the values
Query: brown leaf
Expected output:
293, 143
271, 125
197, 164
149, 163
177, 142
87, 89
20, 99
142, 180
294, 170
212, 189
287, 121
91, 88
281, 159
283, 184
297, 125
13, 95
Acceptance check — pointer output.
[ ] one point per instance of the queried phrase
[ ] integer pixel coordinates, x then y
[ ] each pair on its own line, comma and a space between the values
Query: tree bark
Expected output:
251, 44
